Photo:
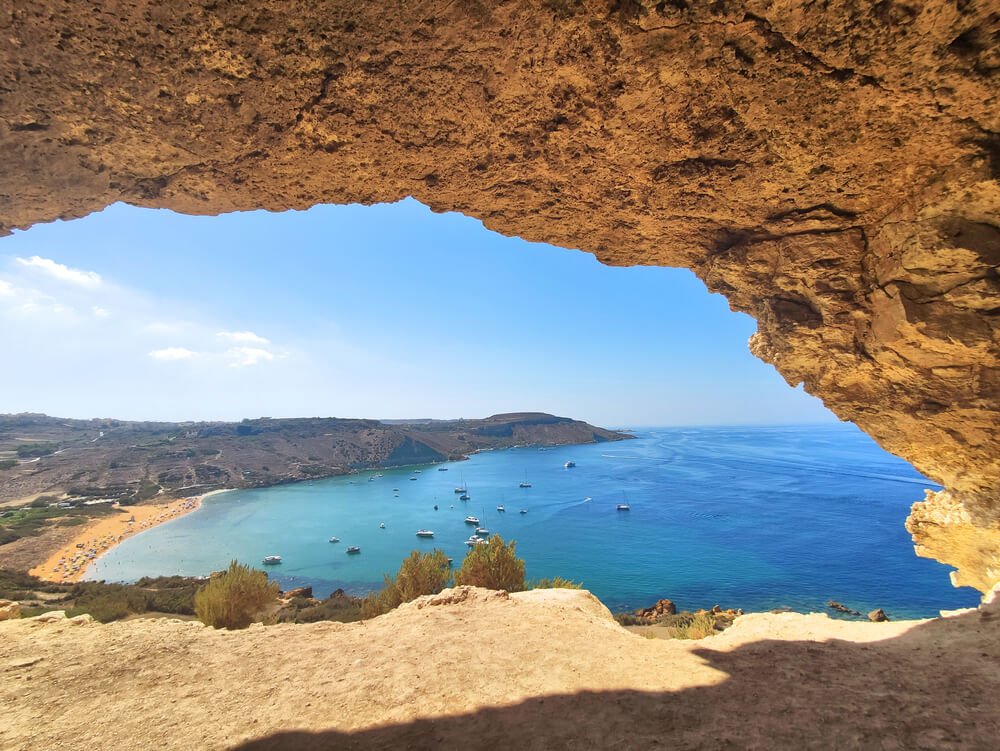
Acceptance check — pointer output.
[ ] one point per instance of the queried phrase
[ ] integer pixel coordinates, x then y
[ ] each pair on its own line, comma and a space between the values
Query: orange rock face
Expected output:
832, 171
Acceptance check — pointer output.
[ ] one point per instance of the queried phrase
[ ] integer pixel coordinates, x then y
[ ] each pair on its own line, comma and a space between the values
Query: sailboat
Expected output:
623, 506
525, 483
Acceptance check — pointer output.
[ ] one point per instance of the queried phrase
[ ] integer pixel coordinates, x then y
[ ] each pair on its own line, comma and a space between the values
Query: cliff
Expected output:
536, 670
830, 167
137, 460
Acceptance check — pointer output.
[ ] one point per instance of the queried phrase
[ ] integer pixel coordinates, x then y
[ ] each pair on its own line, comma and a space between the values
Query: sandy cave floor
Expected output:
547, 669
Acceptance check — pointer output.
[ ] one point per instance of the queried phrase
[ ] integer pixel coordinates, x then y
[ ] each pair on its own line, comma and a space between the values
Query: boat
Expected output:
464, 497
472, 520
417, 471
442, 469
587, 498
472, 540
623, 507
524, 483
424, 533
569, 464
523, 511
395, 490
334, 539
501, 508
371, 479
482, 532
460, 490
353, 550
272, 560
413, 478
381, 525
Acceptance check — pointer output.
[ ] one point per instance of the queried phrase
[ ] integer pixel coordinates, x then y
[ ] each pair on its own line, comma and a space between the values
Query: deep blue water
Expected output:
756, 518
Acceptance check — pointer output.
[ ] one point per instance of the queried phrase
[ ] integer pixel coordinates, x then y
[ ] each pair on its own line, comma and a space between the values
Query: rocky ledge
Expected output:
536, 670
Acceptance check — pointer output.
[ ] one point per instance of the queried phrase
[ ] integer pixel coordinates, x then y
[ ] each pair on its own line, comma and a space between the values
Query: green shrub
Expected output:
494, 566
233, 599
419, 574
556, 582
8, 463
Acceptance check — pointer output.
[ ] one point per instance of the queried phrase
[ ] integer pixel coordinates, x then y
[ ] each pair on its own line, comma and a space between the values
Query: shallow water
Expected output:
756, 518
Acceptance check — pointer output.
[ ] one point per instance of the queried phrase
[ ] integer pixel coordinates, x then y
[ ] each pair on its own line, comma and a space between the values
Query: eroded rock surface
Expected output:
831, 168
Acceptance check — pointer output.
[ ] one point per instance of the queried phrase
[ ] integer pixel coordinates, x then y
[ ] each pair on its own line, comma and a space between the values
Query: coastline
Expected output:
70, 562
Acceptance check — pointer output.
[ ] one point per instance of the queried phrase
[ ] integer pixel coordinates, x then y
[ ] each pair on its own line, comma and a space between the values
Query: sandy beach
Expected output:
69, 563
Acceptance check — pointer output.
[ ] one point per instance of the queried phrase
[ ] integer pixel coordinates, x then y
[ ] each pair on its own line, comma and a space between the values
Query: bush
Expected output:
8, 463
234, 598
33, 450
494, 566
420, 574
556, 582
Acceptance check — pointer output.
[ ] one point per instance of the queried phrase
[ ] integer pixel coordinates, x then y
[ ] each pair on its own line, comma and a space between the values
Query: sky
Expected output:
388, 311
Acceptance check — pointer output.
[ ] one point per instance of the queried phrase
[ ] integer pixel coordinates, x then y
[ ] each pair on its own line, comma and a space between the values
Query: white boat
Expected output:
473, 540
524, 484
501, 508
381, 525
417, 471
461, 489
424, 533
464, 497
334, 539
353, 550
523, 511
413, 478
569, 464
623, 507
272, 560
482, 532
472, 520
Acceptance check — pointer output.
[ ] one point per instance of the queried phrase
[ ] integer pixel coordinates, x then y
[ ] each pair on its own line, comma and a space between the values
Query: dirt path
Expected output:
547, 669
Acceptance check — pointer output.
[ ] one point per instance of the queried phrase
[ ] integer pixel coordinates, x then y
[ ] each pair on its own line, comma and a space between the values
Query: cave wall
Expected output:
832, 168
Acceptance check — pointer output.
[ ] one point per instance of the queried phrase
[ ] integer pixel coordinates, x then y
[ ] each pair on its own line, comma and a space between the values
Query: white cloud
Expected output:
62, 273
6, 288
100, 312
170, 354
242, 337
243, 356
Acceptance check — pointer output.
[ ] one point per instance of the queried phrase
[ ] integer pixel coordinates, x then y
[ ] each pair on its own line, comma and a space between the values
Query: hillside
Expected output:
546, 669
138, 460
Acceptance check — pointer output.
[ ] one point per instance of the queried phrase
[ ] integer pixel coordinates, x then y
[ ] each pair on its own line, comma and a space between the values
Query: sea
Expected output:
757, 518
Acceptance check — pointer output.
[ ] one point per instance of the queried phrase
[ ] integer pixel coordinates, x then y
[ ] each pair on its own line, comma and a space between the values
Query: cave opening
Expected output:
393, 311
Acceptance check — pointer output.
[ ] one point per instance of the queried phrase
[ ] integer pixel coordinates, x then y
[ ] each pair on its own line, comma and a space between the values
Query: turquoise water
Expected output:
755, 518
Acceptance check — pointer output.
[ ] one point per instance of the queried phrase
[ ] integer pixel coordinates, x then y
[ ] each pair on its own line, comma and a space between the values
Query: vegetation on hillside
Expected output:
419, 574
494, 566
233, 599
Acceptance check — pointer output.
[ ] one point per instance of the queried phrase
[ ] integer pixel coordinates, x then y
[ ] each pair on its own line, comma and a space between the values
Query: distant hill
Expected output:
138, 460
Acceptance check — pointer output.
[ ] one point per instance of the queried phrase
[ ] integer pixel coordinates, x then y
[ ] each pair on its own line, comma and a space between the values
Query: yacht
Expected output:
501, 508
424, 533
473, 540
381, 525
523, 511
464, 497
623, 507
482, 532
570, 464
272, 560
442, 469
353, 549
334, 539
413, 478
472, 520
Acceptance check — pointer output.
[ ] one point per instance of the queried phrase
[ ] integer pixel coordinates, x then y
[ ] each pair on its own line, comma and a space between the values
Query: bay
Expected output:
750, 517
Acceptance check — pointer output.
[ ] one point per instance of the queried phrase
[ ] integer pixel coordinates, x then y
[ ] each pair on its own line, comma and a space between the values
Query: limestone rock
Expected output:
298, 592
657, 610
9, 610
831, 168
53, 616
877, 616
